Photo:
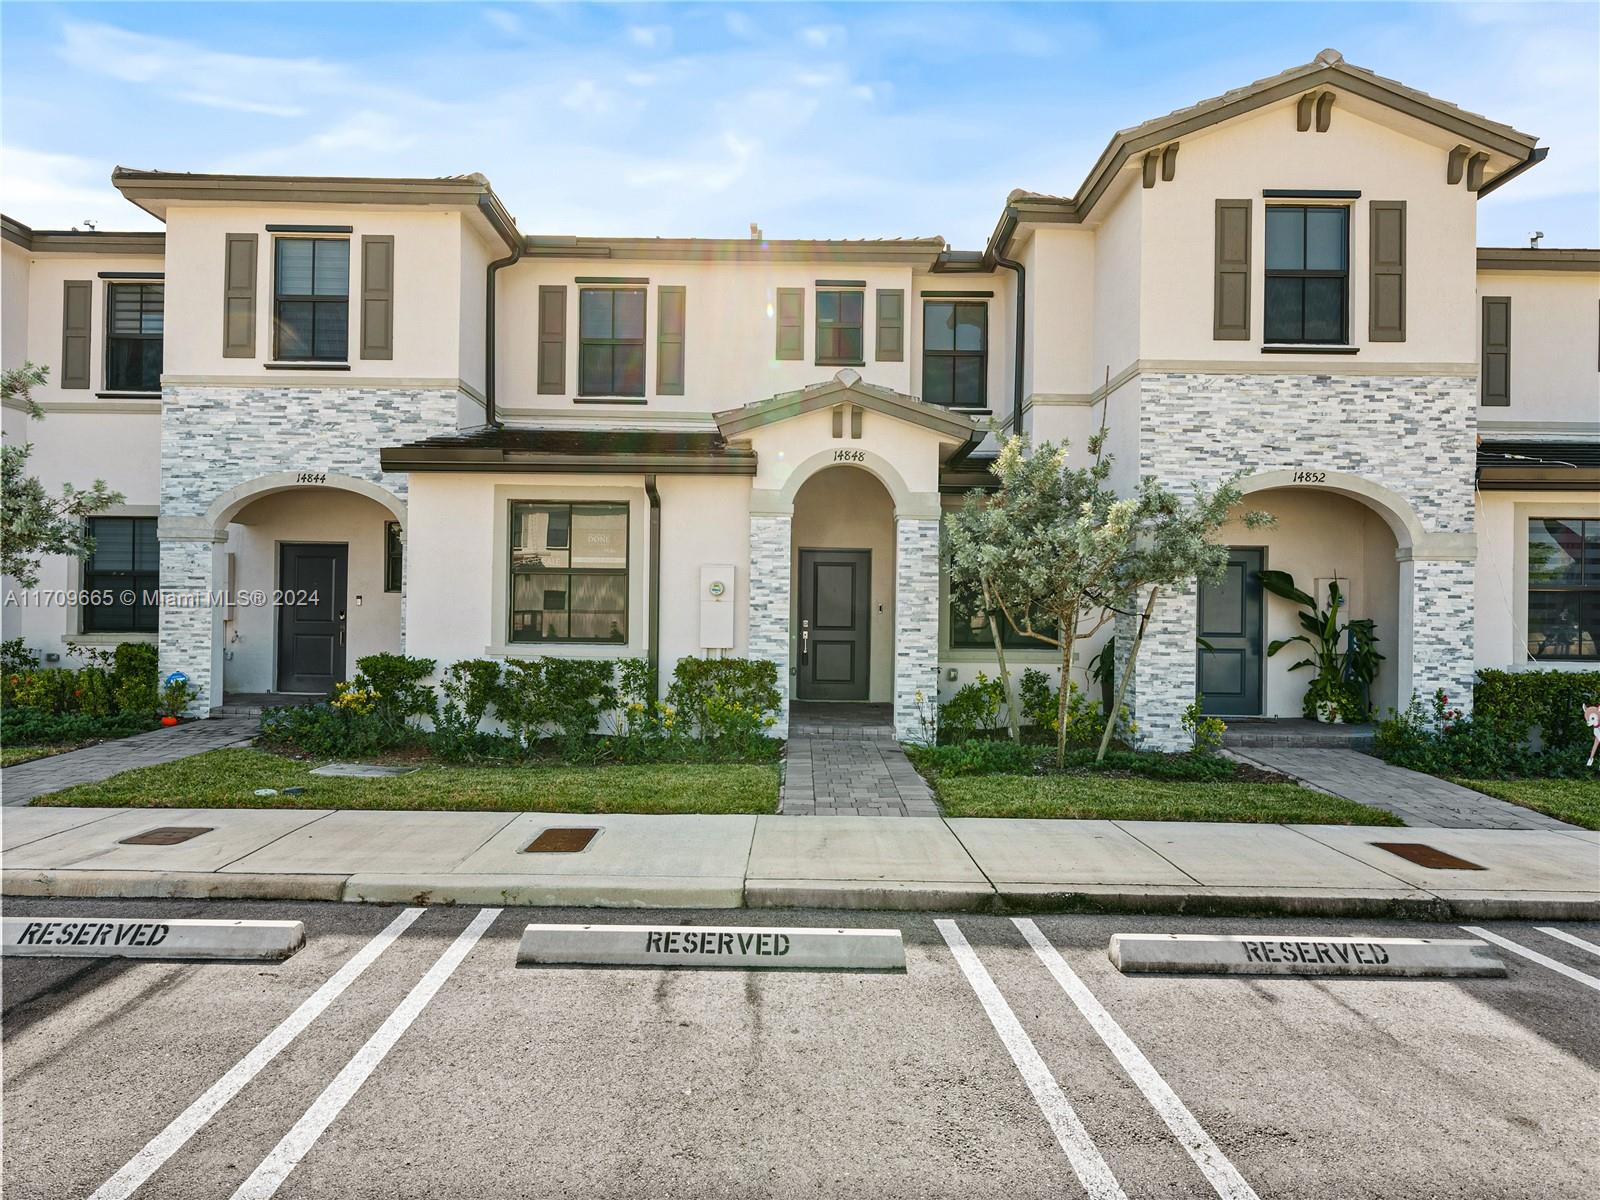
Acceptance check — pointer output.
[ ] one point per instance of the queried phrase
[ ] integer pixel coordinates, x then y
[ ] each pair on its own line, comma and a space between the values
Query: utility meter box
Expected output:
716, 607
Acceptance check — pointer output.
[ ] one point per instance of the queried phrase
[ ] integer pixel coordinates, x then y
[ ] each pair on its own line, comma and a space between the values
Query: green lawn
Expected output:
10, 756
1128, 798
228, 779
1574, 800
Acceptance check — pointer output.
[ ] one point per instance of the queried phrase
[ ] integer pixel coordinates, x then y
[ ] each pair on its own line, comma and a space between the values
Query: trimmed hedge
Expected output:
36, 727
1519, 702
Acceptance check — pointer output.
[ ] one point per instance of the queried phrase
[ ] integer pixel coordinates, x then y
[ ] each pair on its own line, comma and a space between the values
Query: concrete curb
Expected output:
171, 885
547, 891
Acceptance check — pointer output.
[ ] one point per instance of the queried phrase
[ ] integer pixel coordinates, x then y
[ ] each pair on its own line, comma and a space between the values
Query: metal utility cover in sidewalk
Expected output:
757, 947
1245, 954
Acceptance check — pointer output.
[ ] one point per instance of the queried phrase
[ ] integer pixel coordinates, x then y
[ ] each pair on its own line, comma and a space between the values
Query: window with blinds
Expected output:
133, 337
122, 576
312, 299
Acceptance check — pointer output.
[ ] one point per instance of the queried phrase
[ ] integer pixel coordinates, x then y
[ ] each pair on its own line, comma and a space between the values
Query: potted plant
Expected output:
1344, 656
177, 693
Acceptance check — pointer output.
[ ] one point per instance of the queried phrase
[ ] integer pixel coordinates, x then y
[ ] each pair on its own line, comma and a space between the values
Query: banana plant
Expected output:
1344, 656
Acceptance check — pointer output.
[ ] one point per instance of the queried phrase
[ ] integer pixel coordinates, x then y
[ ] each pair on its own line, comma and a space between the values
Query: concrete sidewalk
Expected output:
779, 861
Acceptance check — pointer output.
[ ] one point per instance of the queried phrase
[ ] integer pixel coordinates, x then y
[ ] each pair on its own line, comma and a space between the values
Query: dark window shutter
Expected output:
239, 296
670, 313
76, 306
1386, 300
377, 297
552, 340
891, 325
791, 322
1496, 350
1230, 321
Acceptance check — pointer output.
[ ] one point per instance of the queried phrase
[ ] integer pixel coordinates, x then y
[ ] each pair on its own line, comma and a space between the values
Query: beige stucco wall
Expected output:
729, 343
844, 508
427, 302
14, 264
904, 457
1319, 536
1554, 351
42, 326
1239, 159
1501, 612
314, 515
1001, 346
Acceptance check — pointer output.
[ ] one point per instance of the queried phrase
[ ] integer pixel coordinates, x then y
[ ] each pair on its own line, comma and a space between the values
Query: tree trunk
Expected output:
1013, 718
1067, 631
1127, 674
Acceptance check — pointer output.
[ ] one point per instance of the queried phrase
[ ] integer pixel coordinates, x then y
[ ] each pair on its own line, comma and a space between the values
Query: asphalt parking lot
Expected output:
442, 1069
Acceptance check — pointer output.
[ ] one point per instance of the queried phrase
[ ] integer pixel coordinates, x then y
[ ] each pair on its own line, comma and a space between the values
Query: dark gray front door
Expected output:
311, 616
1229, 673
835, 611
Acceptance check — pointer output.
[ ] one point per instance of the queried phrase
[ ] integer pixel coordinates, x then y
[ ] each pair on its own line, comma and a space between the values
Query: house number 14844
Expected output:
311, 477
1311, 477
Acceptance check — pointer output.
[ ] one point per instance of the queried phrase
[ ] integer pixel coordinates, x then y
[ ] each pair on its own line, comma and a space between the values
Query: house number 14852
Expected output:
1311, 477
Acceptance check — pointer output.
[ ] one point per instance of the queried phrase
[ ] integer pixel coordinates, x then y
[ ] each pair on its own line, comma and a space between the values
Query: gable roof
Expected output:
1327, 69
844, 387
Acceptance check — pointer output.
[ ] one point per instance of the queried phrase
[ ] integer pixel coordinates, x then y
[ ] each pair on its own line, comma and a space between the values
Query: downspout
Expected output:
654, 649
1021, 319
489, 417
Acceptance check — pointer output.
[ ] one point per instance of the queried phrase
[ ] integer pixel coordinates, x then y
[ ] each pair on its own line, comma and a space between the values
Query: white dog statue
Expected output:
1591, 718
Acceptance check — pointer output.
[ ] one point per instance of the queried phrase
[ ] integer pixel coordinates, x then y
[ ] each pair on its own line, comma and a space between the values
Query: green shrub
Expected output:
94, 693
134, 678
398, 680
979, 757
177, 694
321, 730
1038, 697
1550, 702
51, 690
1205, 732
974, 711
724, 700
34, 727
1439, 739
469, 688
15, 657
564, 694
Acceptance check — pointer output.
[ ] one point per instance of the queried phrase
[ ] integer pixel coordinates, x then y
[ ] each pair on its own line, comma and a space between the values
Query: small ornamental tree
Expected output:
1173, 542
1045, 551
36, 523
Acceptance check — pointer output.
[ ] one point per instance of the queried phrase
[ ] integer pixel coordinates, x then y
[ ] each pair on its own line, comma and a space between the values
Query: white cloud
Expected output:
738, 24
820, 37
650, 37
506, 22
50, 191
586, 96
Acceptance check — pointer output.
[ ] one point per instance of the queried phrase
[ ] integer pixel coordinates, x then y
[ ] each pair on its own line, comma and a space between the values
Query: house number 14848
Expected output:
849, 456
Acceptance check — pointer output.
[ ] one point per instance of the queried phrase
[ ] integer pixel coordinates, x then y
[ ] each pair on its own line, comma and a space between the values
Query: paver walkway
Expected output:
842, 760
23, 782
1415, 798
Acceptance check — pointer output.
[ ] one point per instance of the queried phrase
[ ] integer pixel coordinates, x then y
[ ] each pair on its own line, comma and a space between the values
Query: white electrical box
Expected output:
716, 607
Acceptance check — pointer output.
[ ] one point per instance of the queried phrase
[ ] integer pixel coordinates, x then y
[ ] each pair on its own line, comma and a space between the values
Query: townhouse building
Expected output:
445, 435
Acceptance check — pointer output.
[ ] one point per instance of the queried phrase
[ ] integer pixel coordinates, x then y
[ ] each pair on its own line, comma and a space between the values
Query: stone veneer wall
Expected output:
916, 619
215, 438
1414, 435
770, 570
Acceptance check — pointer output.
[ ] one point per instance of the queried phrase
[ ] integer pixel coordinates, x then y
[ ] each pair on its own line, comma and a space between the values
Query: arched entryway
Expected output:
844, 570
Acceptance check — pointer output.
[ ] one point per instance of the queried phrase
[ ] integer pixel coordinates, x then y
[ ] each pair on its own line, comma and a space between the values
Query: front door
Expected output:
1229, 672
311, 616
835, 612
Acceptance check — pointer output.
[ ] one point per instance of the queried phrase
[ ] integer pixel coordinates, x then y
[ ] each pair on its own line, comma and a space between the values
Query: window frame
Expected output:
97, 581
280, 298
1584, 587
394, 550
952, 354
142, 285
834, 325
1270, 273
625, 572
643, 292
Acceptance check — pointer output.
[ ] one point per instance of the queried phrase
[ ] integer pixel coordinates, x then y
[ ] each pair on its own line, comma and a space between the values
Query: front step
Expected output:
1294, 732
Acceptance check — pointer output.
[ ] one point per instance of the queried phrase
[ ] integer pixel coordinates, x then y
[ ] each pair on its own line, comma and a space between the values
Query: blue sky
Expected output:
696, 119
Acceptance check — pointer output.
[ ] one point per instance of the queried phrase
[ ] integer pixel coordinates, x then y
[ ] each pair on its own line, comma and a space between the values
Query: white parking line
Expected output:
1534, 956
1213, 1164
1564, 936
187, 1123
1081, 1151
286, 1155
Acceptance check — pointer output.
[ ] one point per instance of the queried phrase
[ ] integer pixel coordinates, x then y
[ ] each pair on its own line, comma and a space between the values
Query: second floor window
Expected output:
312, 298
611, 342
839, 340
1563, 588
122, 576
1308, 268
133, 337
955, 342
